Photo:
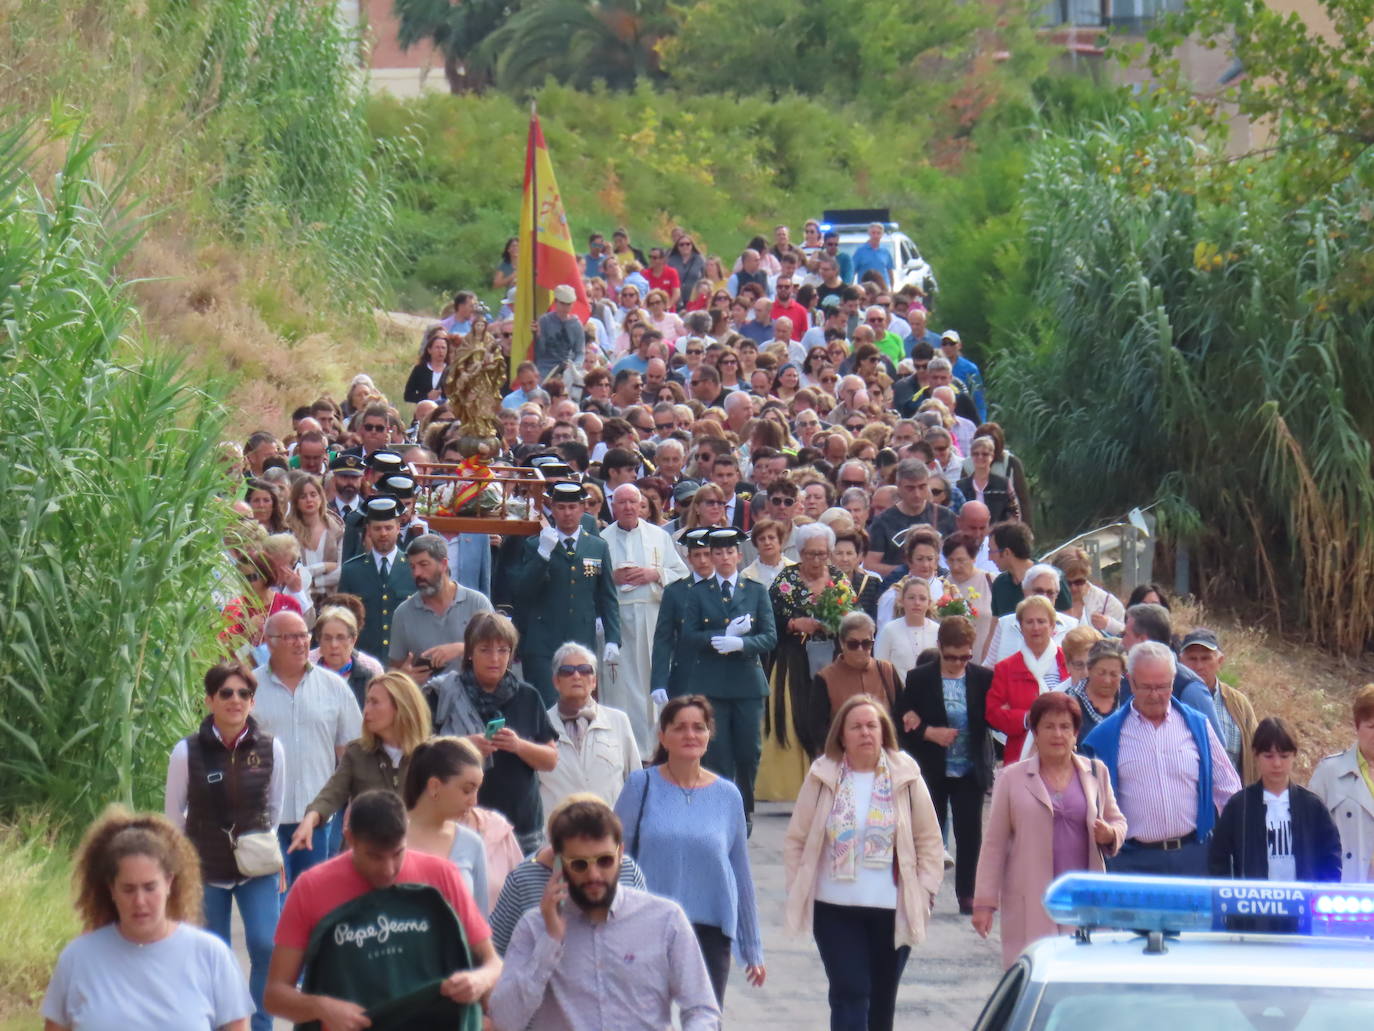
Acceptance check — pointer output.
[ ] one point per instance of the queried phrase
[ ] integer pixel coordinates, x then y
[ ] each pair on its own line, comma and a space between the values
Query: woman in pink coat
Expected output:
1051, 813
1020, 678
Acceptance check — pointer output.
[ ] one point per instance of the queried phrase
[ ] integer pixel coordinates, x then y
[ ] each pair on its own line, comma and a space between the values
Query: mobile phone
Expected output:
494, 725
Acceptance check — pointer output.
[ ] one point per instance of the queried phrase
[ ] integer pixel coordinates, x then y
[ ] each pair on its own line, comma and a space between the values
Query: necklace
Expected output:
687, 792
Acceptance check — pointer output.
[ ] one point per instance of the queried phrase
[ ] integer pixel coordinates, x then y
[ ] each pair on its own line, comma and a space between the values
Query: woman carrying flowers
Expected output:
809, 600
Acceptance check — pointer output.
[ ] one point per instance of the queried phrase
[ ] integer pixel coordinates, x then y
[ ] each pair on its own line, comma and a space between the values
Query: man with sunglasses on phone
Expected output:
597, 953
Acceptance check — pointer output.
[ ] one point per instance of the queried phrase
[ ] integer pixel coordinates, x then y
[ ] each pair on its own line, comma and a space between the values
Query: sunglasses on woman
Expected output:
855, 643
605, 861
584, 669
226, 693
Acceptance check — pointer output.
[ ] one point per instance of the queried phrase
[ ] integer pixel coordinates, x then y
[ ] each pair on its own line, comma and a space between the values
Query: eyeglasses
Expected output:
584, 669
694, 350
605, 861
729, 361
288, 637
876, 320
225, 693
855, 643
1078, 583
815, 554
921, 366
783, 502
855, 427
853, 483
939, 492
375, 427
664, 427
711, 501
506, 336
957, 659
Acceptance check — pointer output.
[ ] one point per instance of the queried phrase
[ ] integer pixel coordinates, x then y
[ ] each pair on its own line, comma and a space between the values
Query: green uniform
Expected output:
559, 599
673, 658
735, 683
361, 576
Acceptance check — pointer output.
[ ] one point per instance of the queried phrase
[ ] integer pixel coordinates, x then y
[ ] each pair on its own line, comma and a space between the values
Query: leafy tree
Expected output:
459, 30
578, 43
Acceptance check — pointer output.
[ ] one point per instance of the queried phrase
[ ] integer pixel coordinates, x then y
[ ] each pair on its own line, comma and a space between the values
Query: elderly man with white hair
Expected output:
738, 411
597, 750
644, 560
964, 429
1006, 640
1168, 767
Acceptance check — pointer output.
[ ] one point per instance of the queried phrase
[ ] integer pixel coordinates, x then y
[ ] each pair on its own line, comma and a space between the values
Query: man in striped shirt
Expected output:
1168, 768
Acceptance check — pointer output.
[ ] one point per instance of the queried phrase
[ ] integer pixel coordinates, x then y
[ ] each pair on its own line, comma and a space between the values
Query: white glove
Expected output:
658, 696
548, 540
740, 625
727, 644
612, 655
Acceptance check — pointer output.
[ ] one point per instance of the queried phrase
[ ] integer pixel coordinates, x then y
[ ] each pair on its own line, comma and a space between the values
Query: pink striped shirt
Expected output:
1157, 774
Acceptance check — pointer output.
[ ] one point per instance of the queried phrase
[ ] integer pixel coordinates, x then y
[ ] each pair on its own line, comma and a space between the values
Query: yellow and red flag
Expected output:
546, 258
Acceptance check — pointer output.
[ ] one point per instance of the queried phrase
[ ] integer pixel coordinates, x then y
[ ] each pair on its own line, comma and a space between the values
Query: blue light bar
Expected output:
1174, 904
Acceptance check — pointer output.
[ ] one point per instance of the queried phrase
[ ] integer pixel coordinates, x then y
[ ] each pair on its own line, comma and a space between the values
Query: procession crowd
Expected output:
784, 556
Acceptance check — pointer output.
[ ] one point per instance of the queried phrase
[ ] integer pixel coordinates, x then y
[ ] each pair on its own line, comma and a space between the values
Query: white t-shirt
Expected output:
189, 981
870, 887
1278, 836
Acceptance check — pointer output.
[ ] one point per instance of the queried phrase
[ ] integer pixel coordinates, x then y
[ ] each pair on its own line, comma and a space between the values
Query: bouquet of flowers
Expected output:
836, 599
954, 602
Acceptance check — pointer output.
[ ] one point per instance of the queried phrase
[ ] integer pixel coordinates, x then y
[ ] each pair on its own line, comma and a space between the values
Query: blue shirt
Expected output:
593, 265
969, 374
630, 361
868, 257
846, 264
958, 760
515, 399
931, 337
692, 849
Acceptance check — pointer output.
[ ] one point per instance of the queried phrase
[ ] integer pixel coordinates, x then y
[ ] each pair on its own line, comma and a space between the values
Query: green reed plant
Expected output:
1203, 339
110, 499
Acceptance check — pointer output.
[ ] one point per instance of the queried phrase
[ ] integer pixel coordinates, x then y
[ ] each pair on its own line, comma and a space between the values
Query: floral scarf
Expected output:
879, 834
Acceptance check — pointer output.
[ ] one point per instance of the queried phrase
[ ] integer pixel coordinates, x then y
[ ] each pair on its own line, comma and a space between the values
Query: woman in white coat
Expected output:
1345, 783
596, 746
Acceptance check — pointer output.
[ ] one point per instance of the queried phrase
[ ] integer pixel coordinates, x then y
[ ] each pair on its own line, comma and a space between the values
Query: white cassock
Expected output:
626, 687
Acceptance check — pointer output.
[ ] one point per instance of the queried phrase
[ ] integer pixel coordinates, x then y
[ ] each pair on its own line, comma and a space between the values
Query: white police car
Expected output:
1186, 954
852, 226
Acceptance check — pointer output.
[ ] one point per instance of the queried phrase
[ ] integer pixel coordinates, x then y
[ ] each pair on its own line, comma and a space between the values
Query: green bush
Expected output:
109, 495
645, 159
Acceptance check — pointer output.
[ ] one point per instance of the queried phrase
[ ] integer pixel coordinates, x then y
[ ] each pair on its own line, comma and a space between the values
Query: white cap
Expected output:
563, 292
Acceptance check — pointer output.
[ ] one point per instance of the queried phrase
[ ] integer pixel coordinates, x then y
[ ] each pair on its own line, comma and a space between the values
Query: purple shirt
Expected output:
1070, 826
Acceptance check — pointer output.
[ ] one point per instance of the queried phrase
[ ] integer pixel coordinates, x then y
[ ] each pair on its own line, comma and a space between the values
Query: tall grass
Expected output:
1204, 340
109, 485
35, 911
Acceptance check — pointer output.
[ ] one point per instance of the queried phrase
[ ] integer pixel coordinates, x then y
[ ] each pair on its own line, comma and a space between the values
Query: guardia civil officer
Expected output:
380, 576
562, 586
729, 629
673, 658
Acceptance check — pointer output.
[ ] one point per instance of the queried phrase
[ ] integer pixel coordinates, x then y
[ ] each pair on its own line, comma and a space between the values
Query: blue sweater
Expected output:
695, 853
1105, 743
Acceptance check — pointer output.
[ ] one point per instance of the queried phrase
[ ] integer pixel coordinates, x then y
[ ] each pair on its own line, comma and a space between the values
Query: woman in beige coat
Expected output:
1051, 813
863, 860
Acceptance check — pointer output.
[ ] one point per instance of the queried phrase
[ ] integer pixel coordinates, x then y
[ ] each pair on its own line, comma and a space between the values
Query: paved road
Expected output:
943, 989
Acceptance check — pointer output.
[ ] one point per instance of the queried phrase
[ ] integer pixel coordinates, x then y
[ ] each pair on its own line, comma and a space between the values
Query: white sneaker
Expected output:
949, 860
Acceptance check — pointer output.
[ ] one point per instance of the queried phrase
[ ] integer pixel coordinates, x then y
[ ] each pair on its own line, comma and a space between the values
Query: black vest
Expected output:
247, 776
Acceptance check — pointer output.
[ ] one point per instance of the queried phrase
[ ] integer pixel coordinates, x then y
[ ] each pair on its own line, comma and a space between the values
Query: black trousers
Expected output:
715, 949
862, 964
963, 795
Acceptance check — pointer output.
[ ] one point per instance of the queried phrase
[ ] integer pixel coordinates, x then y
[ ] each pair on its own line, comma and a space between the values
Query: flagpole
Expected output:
534, 213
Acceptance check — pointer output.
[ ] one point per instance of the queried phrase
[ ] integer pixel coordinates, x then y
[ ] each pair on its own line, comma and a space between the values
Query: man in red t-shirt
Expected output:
377, 858
785, 303
662, 277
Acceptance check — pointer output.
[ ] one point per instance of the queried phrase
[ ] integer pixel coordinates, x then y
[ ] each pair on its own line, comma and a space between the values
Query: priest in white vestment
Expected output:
644, 560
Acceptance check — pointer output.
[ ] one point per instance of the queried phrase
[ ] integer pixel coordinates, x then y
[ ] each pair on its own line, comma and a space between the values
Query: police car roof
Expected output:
1119, 957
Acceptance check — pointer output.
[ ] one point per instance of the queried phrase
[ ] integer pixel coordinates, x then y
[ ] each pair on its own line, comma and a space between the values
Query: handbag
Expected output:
257, 853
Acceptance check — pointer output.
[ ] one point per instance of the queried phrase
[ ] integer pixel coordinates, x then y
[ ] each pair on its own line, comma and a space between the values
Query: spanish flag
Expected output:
547, 258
